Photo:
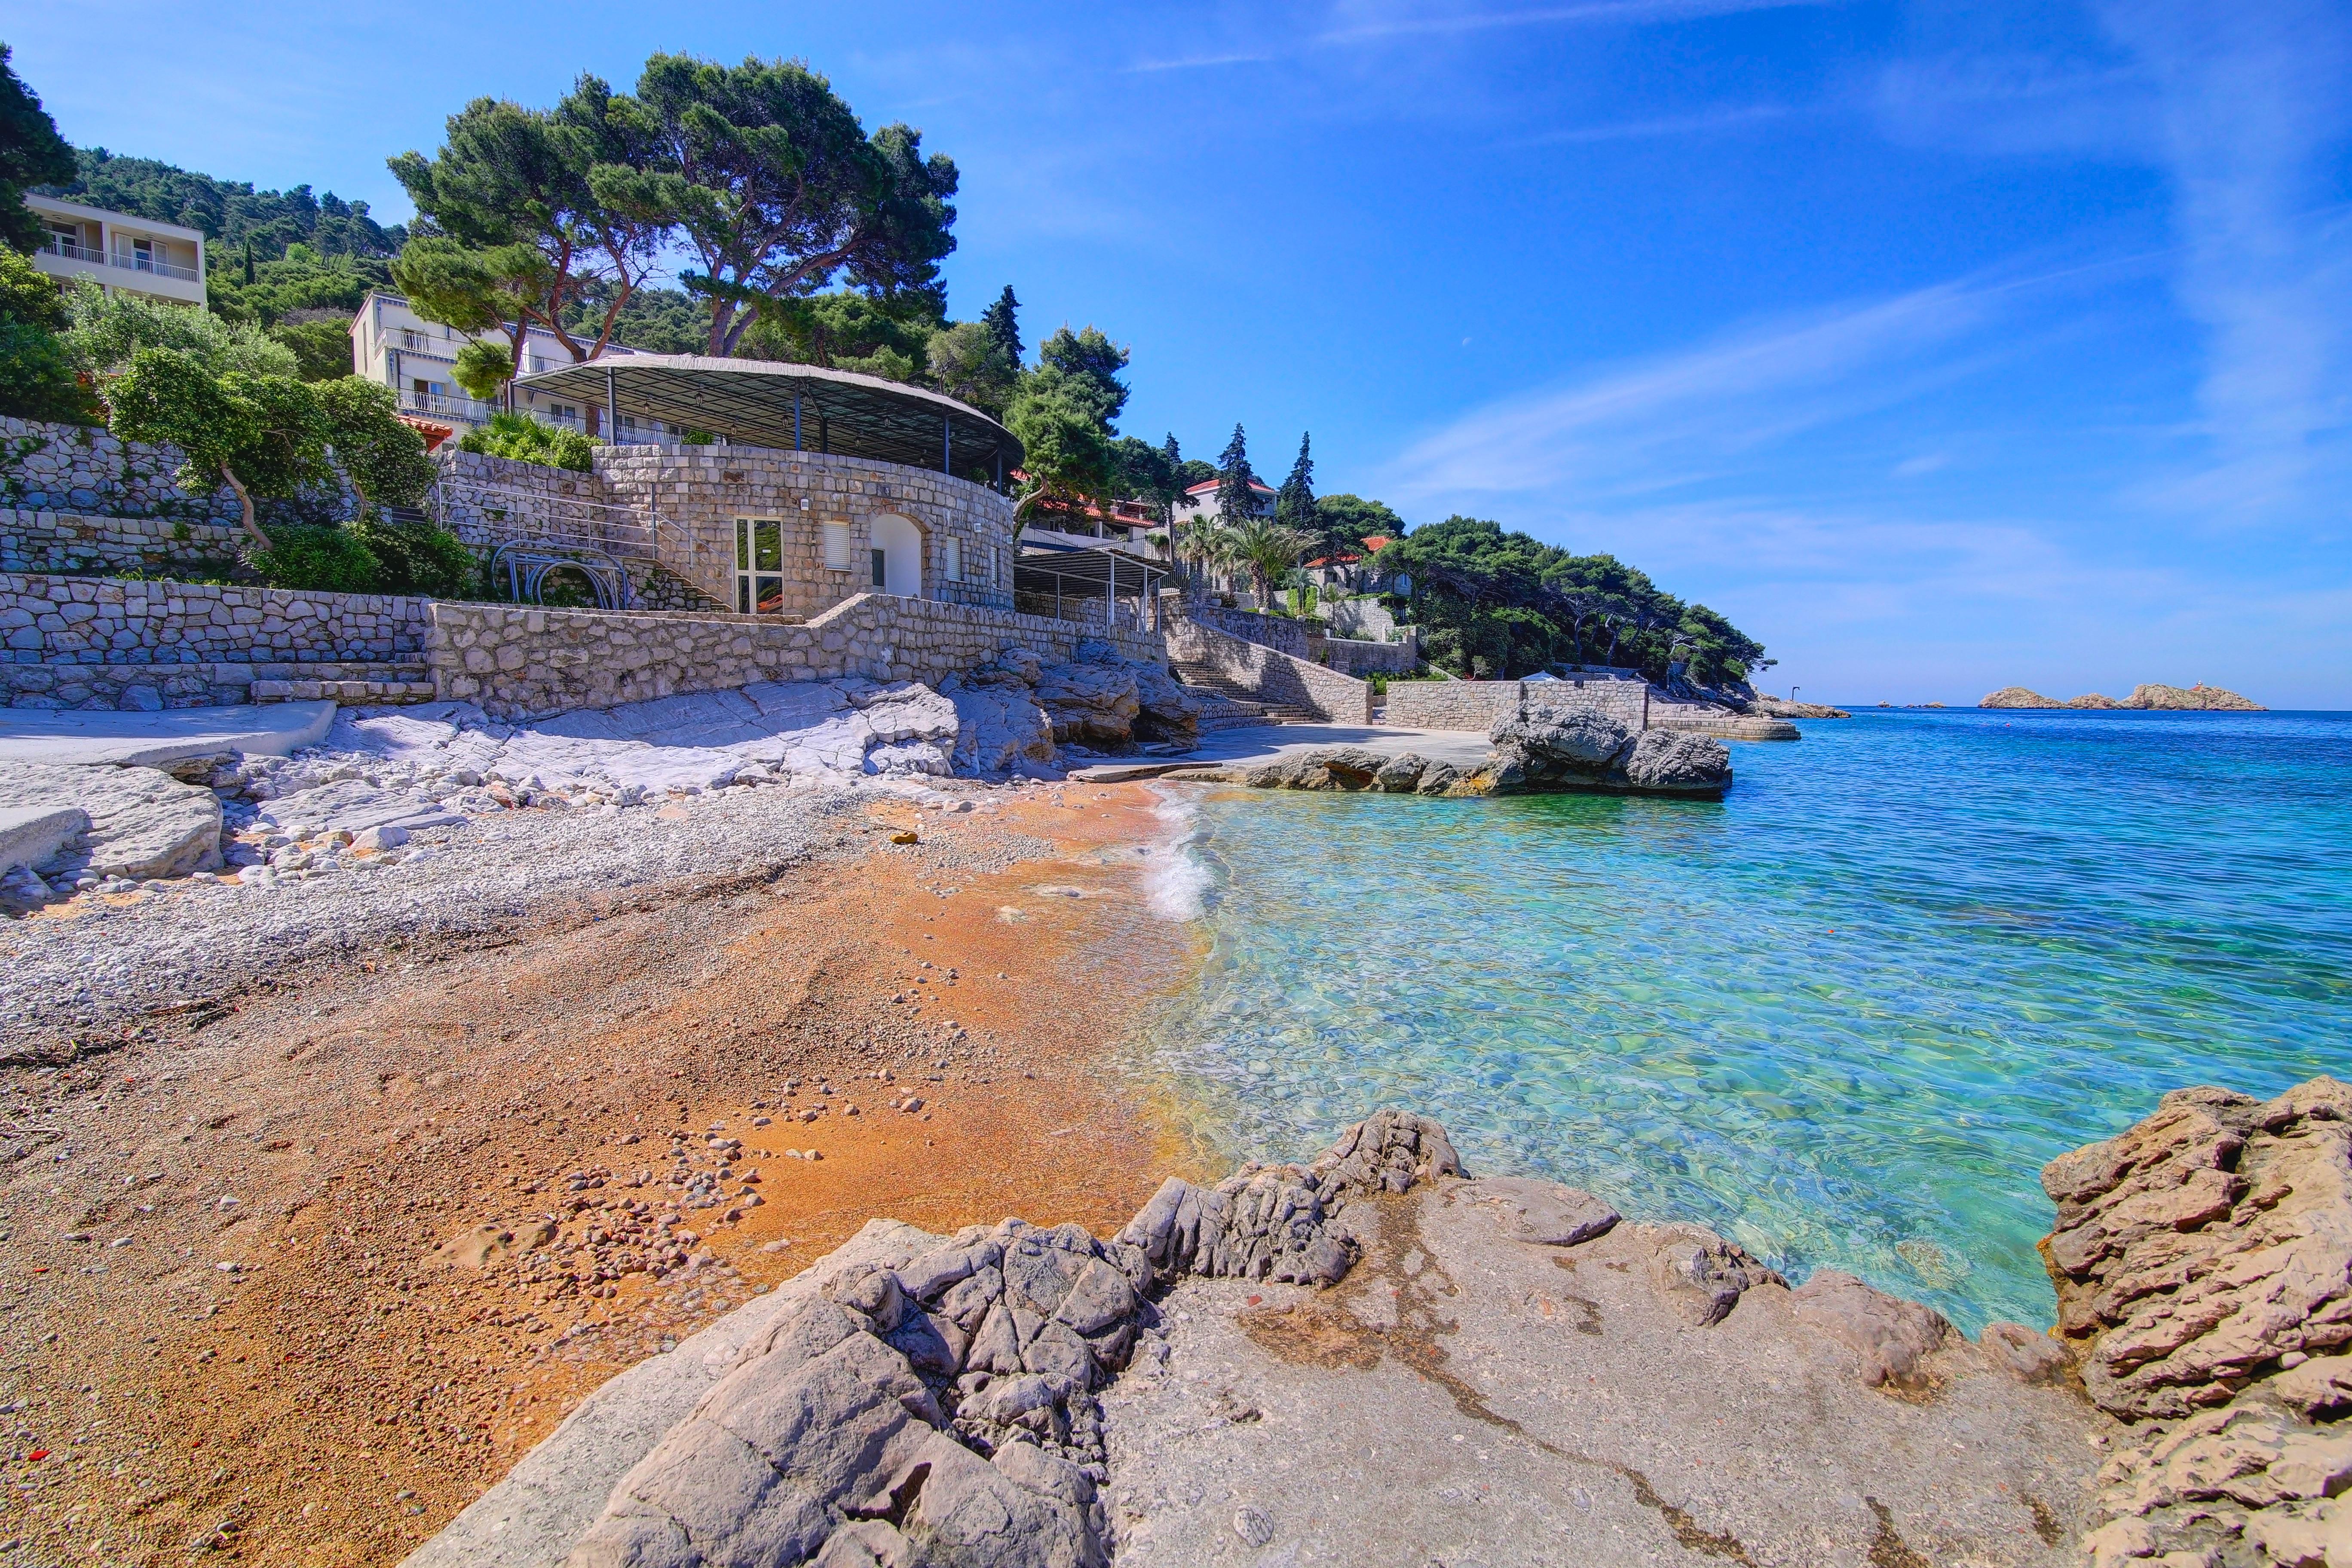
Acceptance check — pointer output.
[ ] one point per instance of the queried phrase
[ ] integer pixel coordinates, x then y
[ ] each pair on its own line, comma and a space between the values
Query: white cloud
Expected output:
2252, 111
1681, 417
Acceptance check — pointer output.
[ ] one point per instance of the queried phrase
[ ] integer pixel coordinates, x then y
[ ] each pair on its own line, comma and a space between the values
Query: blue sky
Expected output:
1938, 347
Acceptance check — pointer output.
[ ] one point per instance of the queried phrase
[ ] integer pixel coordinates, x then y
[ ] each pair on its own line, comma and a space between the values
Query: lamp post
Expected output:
1792, 692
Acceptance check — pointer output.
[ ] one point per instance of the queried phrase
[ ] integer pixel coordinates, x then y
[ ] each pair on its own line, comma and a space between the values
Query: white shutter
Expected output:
837, 546
954, 560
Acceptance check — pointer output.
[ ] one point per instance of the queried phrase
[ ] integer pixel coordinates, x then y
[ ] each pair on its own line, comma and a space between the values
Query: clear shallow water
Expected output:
1845, 1016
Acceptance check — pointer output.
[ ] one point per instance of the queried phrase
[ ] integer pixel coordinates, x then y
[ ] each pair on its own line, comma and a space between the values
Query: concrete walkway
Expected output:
78, 737
1466, 748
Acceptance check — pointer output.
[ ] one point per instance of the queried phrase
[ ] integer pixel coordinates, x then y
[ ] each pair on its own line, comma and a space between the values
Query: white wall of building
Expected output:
118, 252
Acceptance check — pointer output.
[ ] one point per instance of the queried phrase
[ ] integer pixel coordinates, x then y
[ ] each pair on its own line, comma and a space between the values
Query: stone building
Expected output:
812, 486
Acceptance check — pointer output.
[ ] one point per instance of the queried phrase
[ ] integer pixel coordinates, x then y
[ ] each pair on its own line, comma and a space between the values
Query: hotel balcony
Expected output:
117, 251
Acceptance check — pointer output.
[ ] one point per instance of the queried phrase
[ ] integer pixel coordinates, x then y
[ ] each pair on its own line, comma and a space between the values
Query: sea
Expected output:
1845, 1016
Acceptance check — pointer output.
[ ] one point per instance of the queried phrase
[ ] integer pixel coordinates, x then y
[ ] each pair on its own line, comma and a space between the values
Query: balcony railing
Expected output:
131, 261
446, 405
72, 252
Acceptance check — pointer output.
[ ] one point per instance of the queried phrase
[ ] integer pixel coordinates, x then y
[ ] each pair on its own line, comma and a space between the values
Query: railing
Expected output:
131, 261
72, 252
446, 405
513, 515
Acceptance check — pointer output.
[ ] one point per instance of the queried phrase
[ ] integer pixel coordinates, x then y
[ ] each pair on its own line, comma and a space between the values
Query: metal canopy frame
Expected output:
1089, 576
789, 407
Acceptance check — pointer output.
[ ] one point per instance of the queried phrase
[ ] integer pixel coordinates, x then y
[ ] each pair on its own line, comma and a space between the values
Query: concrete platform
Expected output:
1257, 743
102, 737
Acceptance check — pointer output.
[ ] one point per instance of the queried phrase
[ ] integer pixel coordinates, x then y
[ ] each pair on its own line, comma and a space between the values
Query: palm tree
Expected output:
1201, 540
1268, 549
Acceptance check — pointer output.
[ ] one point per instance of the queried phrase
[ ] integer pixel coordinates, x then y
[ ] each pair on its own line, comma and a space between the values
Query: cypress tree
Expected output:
1002, 321
1235, 500
1294, 504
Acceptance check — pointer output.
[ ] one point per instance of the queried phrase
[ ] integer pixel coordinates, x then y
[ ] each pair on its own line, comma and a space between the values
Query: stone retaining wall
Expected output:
1477, 704
81, 469
1269, 674
37, 541
82, 620
148, 687
1277, 632
517, 660
1350, 655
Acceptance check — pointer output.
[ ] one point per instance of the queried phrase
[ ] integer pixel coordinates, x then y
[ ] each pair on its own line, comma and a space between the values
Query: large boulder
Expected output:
1555, 745
1168, 710
2203, 1245
1678, 762
1090, 704
142, 821
1000, 729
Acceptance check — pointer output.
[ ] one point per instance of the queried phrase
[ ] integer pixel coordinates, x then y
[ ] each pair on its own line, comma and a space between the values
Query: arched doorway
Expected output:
898, 557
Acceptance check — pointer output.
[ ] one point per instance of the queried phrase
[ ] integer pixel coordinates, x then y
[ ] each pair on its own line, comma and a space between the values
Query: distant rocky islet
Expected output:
2146, 695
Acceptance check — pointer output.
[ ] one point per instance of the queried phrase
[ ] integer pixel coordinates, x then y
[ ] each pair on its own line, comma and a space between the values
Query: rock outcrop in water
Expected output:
2203, 1261
2200, 698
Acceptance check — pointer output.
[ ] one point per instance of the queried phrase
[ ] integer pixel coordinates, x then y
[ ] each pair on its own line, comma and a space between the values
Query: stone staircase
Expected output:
1232, 707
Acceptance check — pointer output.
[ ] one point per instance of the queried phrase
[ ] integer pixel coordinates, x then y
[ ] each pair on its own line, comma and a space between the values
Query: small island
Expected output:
2200, 698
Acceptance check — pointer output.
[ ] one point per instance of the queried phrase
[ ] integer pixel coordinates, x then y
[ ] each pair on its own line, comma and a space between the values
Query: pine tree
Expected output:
1294, 504
1236, 501
1002, 320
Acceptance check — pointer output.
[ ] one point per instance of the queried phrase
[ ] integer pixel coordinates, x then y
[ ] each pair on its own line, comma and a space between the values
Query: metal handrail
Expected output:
527, 571
512, 514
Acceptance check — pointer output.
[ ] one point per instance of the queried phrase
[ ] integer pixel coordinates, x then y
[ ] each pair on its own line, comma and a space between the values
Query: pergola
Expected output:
790, 407
1073, 576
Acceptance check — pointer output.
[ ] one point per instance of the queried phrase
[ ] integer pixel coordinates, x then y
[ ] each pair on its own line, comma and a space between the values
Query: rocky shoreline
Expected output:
2145, 697
1374, 1354
1540, 748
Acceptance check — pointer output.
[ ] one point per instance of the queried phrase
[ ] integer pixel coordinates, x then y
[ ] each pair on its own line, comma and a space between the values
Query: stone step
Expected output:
351, 693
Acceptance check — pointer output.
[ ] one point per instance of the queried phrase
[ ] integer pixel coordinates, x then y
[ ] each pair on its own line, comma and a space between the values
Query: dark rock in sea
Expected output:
1545, 746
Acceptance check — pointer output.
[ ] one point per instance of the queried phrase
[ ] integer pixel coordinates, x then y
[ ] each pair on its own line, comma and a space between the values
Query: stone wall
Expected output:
81, 469
1351, 657
82, 620
1277, 632
1476, 704
147, 687
37, 541
519, 661
1269, 674
698, 492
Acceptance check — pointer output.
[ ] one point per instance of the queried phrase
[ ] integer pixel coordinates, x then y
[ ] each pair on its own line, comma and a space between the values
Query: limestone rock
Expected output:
2200, 698
1702, 1275
999, 728
2248, 1474
1563, 738
142, 821
2024, 1354
1674, 759
2016, 697
1090, 704
1544, 1213
2194, 1249
1891, 1337
1168, 710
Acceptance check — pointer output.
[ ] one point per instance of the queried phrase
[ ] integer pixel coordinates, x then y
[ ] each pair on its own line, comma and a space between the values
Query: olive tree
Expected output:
258, 435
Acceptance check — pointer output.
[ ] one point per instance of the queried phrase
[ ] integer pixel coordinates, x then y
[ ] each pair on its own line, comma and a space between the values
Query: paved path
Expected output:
1466, 748
79, 737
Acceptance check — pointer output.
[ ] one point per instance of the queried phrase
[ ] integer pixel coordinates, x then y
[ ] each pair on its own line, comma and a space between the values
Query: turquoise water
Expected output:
1845, 1016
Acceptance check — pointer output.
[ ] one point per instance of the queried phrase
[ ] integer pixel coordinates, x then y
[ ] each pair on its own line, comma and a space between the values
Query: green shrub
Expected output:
322, 559
418, 558
524, 439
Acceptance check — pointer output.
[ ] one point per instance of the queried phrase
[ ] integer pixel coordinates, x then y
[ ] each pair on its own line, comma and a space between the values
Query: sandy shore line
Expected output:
269, 1286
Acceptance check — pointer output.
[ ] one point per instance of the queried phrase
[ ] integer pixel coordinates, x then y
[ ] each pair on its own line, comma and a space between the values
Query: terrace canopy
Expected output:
791, 408
1064, 582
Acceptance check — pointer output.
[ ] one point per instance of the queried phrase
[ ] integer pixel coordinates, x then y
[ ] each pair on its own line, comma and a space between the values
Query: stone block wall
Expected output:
35, 541
1477, 704
148, 688
1277, 632
81, 469
50, 620
1269, 674
1350, 656
520, 661
698, 492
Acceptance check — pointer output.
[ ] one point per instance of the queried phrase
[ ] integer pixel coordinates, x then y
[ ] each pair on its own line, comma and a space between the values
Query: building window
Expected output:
759, 566
837, 546
881, 565
952, 554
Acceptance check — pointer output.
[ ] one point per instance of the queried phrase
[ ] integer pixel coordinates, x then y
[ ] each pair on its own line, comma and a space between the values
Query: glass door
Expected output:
759, 566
